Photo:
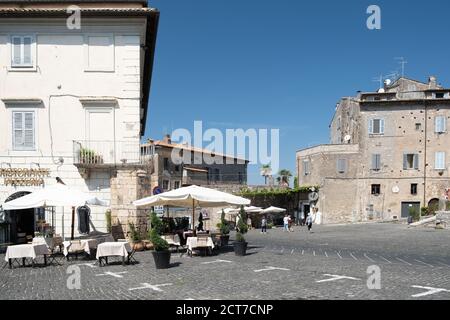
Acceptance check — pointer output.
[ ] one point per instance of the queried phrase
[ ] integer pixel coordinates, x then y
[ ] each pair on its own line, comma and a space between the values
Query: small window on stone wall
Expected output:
376, 189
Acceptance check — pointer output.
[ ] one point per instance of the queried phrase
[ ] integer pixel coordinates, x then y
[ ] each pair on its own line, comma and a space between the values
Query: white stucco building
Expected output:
73, 102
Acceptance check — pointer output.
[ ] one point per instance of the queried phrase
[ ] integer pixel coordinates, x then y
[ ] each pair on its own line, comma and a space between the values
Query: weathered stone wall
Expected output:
127, 186
409, 128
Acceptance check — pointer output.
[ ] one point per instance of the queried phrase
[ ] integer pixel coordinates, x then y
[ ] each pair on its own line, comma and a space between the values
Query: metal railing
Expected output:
111, 152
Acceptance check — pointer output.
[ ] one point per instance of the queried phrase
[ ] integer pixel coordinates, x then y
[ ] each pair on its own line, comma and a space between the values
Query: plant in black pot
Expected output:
224, 228
136, 239
240, 245
161, 252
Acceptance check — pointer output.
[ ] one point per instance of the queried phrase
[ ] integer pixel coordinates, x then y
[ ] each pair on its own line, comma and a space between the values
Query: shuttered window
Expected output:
23, 130
439, 161
376, 162
440, 124
22, 51
376, 126
306, 170
410, 161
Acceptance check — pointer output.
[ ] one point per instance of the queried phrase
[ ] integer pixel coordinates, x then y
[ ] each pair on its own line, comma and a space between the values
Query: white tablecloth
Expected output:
108, 249
86, 244
192, 243
26, 251
173, 240
50, 242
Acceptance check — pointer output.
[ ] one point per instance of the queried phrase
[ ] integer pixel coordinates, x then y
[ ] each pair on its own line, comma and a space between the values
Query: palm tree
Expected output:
283, 177
266, 171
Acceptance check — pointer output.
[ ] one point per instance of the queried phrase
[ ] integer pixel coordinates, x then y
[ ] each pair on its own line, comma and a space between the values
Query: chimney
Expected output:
432, 82
167, 139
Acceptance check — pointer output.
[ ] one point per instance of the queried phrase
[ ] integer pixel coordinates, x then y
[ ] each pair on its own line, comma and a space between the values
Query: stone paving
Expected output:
330, 263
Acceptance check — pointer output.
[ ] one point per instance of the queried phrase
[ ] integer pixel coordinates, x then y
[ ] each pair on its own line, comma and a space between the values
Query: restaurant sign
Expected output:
17, 177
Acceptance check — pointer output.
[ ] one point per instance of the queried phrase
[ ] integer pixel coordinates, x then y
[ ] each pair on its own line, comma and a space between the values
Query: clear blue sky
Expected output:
284, 64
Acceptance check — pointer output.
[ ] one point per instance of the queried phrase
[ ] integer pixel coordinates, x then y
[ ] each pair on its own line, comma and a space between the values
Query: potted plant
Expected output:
224, 228
161, 252
137, 243
240, 245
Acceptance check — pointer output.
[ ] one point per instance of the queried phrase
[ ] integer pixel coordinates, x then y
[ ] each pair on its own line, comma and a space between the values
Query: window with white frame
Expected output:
440, 124
376, 126
410, 161
23, 135
22, 51
376, 162
99, 52
439, 163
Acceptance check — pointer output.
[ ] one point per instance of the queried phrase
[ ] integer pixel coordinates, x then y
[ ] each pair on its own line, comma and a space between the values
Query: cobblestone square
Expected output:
329, 263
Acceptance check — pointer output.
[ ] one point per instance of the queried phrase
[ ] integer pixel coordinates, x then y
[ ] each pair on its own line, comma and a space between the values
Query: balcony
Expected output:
104, 154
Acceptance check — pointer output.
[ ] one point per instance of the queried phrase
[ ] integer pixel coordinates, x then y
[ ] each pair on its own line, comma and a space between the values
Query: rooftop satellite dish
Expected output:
347, 138
387, 82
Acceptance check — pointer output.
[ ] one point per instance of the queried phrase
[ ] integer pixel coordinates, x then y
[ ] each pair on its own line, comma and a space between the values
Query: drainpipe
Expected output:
425, 156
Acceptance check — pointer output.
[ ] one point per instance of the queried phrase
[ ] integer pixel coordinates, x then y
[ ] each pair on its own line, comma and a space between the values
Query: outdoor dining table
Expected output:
192, 243
110, 249
24, 251
86, 244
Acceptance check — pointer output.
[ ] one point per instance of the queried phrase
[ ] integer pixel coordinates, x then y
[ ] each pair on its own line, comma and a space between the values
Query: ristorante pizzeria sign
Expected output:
23, 176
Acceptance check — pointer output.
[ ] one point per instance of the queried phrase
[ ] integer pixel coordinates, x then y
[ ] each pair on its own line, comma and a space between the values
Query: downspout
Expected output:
425, 156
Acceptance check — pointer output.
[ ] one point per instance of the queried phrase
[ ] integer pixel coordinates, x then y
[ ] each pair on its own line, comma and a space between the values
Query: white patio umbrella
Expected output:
248, 209
273, 210
58, 195
192, 196
227, 210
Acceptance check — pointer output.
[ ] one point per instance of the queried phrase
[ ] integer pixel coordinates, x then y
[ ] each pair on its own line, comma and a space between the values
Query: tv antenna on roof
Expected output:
402, 62
379, 80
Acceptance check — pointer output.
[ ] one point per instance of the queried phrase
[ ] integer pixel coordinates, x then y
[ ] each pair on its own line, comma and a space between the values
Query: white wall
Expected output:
60, 78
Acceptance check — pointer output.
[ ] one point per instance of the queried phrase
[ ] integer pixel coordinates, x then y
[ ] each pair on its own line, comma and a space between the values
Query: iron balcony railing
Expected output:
97, 153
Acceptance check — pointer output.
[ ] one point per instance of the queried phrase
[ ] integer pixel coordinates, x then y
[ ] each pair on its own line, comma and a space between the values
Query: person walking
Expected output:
286, 223
309, 222
264, 225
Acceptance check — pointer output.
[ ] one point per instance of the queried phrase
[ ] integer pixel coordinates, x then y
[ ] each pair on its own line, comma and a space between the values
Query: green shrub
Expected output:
157, 228
242, 225
134, 234
224, 225
108, 220
414, 213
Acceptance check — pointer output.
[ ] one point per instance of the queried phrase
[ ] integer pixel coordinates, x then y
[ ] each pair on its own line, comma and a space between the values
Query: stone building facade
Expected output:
388, 157
192, 168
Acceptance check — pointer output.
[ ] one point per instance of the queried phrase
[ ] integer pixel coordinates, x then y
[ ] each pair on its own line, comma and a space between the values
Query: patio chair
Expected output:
131, 258
56, 251
75, 249
173, 240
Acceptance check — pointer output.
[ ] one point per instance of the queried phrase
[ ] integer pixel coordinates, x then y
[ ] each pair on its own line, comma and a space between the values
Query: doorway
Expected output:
20, 223
407, 207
